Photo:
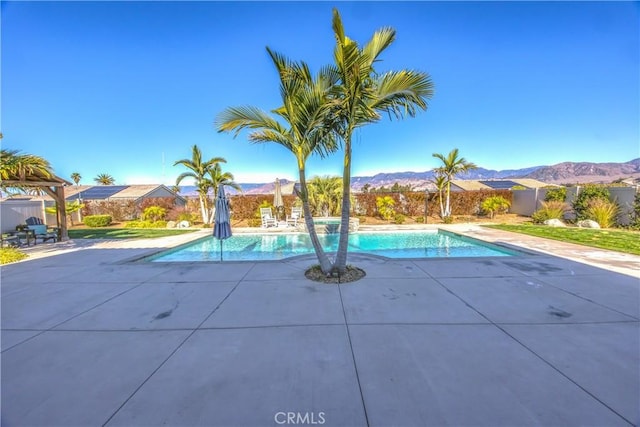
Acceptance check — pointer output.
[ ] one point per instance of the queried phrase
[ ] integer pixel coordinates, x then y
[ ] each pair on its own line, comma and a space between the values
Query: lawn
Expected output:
123, 233
615, 240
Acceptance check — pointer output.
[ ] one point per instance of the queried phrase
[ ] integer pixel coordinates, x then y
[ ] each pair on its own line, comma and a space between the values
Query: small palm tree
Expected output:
451, 166
76, 177
440, 182
198, 170
104, 179
325, 195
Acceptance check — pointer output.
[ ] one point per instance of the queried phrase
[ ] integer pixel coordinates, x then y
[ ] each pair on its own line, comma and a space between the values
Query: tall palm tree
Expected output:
451, 166
304, 110
104, 179
361, 94
15, 165
216, 178
198, 170
76, 177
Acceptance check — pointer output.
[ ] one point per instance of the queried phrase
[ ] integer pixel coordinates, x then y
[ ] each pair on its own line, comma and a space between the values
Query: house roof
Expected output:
496, 184
469, 185
102, 192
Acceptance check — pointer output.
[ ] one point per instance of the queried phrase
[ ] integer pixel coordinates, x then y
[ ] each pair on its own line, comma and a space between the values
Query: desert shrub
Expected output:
470, 202
635, 213
552, 209
254, 222
154, 213
119, 210
145, 224
602, 211
399, 218
495, 204
385, 207
97, 220
447, 219
167, 203
420, 220
587, 194
556, 194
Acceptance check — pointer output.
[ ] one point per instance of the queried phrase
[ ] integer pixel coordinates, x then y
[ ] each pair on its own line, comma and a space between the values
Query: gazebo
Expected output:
50, 184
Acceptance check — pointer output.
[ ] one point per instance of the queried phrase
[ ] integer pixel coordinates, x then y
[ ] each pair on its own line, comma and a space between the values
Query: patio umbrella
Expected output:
222, 227
277, 197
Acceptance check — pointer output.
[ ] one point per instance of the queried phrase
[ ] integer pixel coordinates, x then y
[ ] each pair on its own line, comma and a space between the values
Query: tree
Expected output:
76, 177
14, 165
360, 94
71, 207
198, 170
451, 166
104, 179
305, 111
325, 194
216, 178
441, 183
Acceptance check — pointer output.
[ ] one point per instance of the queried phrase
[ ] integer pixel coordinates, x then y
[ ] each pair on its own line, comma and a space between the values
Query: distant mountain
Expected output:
562, 173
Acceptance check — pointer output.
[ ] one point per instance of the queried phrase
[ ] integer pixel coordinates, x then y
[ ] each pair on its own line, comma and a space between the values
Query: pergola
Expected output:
53, 186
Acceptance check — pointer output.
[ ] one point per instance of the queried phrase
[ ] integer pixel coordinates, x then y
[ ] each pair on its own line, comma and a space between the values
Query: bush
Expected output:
556, 194
420, 220
552, 209
97, 220
495, 204
398, 218
635, 214
587, 194
254, 222
146, 224
154, 213
8, 255
385, 207
603, 212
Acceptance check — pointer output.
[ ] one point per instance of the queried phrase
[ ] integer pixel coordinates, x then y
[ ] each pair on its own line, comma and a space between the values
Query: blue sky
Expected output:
116, 87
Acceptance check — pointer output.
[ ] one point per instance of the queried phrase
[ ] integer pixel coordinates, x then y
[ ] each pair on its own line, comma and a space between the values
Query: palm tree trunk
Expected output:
203, 209
341, 257
323, 259
448, 207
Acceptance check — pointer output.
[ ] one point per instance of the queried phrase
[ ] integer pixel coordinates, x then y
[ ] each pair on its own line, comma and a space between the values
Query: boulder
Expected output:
587, 223
171, 224
554, 223
183, 224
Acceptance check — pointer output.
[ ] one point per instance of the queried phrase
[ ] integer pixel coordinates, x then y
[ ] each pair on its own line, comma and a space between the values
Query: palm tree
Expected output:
198, 170
104, 179
441, 182
451, 166
361, 94
304, 110
21, 167
216, 178
76, 177
325, 194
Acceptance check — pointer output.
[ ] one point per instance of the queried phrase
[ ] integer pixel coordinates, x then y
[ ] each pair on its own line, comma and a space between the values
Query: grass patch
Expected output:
615, 240
8, 255
123, 233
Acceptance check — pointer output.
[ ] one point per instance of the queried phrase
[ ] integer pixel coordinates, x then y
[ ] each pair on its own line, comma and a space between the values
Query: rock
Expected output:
554, 223
587, 223
183, 224
171, 224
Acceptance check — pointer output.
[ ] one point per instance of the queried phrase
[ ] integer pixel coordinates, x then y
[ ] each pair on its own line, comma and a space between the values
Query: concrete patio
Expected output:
91, 338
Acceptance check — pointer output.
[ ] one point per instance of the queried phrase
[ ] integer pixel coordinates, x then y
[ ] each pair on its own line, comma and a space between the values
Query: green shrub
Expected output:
552, 209
145, 224
447, 219
587, 194
154, 213
556, 194
187, 216
97, 220
385, 207
8, 255
254, 222
603, 212
635, 214
420, 220
398, 218
495, 204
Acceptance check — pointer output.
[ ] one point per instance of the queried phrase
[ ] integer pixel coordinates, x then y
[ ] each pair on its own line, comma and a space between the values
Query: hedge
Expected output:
97, 220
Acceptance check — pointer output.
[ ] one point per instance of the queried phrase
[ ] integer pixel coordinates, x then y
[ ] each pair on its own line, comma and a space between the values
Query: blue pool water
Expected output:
245, 247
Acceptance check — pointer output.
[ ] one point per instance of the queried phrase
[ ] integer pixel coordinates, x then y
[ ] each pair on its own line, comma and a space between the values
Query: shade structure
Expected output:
277, 198
222, 226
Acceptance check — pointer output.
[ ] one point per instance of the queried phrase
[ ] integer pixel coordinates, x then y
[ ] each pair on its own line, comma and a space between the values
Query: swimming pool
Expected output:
275, 246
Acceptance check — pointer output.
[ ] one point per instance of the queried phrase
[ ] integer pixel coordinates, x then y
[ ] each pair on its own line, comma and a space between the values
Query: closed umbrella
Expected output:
277, 198
222, 226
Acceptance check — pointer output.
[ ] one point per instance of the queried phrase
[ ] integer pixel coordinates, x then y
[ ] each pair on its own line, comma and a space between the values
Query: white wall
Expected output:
15, 212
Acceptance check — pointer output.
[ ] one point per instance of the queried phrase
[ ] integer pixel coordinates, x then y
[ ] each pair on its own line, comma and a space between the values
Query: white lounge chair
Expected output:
296, 214
268, 220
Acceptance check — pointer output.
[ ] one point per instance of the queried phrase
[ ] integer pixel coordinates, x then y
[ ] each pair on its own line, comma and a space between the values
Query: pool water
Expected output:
252, 247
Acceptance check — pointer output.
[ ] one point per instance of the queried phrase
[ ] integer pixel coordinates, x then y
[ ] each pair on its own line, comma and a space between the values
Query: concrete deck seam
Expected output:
545, 361
353, 356
71, 318
175, 350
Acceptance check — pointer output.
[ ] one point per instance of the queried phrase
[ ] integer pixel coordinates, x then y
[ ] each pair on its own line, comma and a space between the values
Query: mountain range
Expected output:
561, 173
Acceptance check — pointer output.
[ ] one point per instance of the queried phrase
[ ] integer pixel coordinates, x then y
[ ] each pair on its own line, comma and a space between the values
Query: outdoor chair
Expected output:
32, 220
296, 214
268, 220
42, 232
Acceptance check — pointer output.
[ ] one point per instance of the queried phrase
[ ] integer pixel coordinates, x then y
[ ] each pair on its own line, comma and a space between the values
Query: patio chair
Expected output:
296, 214
32, 220
268, 220
42, 232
